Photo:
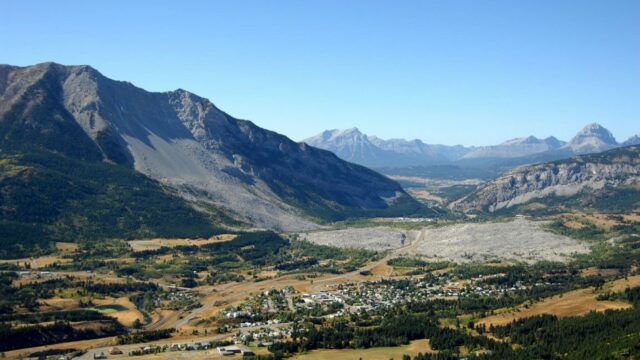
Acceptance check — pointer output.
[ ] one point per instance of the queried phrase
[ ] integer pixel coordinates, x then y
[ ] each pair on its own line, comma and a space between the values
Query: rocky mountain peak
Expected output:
594, 130
554, 142
523, 140
634, 140
592, 138
182, 140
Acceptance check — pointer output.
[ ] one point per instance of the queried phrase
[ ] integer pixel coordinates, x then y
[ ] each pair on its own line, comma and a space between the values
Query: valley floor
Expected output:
468, 278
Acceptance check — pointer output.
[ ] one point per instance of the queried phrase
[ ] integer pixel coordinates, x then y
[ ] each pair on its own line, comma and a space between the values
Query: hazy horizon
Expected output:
448, 73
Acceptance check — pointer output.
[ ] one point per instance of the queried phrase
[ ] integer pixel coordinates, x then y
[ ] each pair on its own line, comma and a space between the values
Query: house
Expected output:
235, 349
245, 351
228, 350
115, 351
101, 355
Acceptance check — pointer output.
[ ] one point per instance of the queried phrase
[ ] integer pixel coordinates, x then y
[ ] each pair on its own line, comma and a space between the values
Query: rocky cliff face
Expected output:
561, 178
186, 142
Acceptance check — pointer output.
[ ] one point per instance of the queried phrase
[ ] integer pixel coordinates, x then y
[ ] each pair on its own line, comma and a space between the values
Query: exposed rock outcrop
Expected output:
560, 178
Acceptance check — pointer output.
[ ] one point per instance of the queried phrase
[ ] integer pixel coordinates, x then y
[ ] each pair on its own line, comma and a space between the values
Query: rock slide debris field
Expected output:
520, 239
378, 238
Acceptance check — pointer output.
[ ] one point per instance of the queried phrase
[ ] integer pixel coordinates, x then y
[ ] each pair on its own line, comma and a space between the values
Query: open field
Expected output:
120, 308
622, 284
57, 303
66, 246
594, 271
425, 195
572, 303
154, 244
579, 220
39, 262
635, 217
385, 353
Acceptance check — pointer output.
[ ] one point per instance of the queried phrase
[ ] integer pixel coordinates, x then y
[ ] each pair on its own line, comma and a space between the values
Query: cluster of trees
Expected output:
117, 288
297, 264
587, 232
221, 278
144, 336
389, 329
68, 315
35, 213
163, 250
255, 247
26, 295
408, 262
593, 336
60, 331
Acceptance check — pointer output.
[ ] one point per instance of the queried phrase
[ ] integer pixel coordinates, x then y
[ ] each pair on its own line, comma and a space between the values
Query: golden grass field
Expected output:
382, 270
57, 303
594, 271
425, 195
66, 246
572, 224
39, 262
125, 317
154, 244
621, 284
386, 353
635, 217
580, 220
572, 303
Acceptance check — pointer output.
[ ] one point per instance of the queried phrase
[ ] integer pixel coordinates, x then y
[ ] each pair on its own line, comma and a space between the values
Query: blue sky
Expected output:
469, 72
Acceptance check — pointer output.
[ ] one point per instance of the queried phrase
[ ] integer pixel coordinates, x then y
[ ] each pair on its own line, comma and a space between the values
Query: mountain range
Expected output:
608, 180
353, 145
66, 125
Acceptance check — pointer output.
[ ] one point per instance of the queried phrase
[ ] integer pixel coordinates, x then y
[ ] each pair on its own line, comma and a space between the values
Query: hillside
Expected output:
83, 127
600, 180
55, 186
46, 197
